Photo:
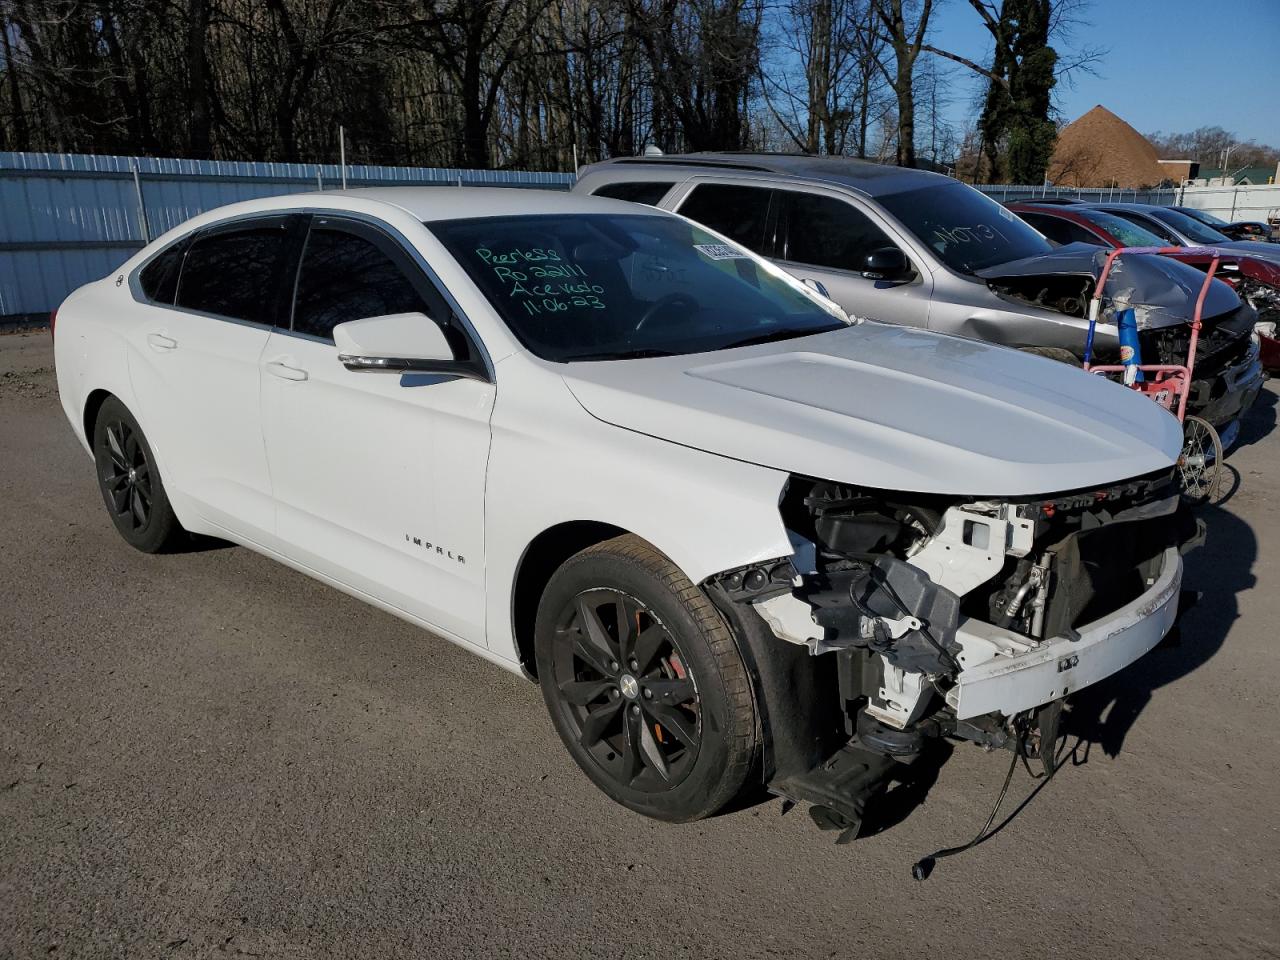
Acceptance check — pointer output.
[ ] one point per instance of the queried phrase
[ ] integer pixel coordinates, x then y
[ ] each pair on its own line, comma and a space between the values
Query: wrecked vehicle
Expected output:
736, 537
917, 248
1255, 279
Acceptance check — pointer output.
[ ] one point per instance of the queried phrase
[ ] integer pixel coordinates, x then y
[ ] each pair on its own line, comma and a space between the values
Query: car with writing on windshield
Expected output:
924, 250
736, 537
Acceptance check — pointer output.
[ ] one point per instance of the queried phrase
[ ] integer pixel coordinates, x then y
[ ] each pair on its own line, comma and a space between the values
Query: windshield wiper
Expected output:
774, 335
638, 354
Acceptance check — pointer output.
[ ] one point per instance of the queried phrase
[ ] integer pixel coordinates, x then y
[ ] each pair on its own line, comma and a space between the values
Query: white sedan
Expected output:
735, 536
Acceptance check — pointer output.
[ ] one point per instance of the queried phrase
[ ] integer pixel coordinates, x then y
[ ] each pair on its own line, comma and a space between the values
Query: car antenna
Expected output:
923, 867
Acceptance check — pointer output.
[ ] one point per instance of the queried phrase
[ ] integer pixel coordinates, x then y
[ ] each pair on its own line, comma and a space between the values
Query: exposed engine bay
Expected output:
925, 616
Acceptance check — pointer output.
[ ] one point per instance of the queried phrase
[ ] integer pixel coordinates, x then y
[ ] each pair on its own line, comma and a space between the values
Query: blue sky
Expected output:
1173, 66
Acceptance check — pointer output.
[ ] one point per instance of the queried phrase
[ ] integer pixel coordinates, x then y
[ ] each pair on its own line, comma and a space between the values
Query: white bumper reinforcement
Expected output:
1007, 672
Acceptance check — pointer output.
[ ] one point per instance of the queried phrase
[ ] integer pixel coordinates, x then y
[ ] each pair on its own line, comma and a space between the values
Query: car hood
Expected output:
1161, 291
1255, 248
892, 408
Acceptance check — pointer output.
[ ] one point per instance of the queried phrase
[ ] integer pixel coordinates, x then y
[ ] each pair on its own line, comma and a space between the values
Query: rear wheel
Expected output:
130, 481
644, 682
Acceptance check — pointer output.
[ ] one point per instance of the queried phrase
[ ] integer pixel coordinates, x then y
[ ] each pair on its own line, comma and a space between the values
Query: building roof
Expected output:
1101, 150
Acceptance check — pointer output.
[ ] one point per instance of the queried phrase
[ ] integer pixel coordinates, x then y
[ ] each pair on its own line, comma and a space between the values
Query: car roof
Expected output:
455, 203
866, 176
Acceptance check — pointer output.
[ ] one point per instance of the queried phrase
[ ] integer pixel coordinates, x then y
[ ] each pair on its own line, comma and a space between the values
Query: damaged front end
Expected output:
900, 618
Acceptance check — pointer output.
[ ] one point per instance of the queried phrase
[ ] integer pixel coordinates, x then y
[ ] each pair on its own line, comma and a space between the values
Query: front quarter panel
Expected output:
551, 462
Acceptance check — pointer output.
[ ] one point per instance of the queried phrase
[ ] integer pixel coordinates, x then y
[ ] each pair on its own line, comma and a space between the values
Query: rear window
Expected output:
159, 278
650, 192
235, 273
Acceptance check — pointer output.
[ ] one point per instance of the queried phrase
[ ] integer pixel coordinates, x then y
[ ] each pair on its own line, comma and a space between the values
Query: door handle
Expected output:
285, 372
158, 341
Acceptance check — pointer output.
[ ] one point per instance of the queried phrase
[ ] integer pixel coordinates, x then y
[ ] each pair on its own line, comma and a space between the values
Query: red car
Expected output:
1255, 280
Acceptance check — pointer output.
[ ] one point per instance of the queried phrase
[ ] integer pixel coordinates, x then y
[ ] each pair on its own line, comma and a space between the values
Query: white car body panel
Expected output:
891, 408
337, 473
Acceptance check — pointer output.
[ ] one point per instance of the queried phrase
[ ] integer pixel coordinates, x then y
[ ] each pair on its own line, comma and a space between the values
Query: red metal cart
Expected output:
1200, 463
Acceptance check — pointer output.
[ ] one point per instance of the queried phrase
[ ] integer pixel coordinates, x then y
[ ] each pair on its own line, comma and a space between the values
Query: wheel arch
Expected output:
543, 556
92, 404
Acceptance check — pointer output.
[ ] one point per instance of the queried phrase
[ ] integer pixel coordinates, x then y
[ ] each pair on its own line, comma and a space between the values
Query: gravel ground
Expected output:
206, 753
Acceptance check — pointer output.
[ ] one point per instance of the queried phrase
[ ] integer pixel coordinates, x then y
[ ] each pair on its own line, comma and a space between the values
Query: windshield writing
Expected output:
965, 228
614, 286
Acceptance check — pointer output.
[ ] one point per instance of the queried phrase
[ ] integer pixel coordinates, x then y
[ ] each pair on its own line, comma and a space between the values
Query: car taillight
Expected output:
53, 322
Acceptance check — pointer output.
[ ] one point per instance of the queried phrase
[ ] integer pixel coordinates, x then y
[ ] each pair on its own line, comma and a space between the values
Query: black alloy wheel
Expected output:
625, 690
126, 476
644, 682
130, 480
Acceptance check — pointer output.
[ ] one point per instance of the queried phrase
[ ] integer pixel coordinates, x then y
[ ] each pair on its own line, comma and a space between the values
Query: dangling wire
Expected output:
924, 866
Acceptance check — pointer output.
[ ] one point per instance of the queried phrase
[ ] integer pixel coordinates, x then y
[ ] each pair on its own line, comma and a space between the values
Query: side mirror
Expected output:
886, 263
397, 343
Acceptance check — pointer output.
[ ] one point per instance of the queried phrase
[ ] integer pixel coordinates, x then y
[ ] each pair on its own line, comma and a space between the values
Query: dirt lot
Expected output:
206, 754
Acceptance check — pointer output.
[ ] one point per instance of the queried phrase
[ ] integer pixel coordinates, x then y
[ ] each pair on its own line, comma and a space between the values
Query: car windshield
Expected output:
966, 229
1189, 227
1204, 217
1129, 234
607, 286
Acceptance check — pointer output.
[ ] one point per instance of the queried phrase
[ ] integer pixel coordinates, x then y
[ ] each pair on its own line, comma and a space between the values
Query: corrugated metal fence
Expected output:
67, 219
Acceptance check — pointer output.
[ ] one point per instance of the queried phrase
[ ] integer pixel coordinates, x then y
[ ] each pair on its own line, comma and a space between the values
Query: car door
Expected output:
824, 237
378, 477
205, 324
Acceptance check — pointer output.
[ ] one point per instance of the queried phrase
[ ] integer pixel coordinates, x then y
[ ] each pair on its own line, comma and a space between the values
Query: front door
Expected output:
378, 477
825, 237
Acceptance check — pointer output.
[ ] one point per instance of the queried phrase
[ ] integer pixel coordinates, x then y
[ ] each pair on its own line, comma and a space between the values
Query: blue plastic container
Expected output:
1130, 348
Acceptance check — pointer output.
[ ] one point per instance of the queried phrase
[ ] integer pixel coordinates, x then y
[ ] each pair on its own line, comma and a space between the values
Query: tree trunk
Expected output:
199, 138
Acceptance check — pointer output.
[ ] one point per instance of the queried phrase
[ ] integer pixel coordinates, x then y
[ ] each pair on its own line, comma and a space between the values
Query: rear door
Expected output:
196, 367
378, 477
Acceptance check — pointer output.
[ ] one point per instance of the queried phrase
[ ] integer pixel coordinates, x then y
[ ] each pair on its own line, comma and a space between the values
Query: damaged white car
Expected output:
732, 535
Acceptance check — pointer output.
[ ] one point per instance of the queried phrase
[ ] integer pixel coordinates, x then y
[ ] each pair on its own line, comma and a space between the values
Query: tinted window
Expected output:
345, 277
159, 278
1059, 230
1194, 229
740, 213
616, 286
826, 232
651, 192
1129, 234
1151, 226
965, 228
235, 273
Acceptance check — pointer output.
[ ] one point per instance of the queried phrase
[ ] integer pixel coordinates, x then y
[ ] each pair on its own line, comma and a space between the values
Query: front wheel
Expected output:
644, 682
1200, 463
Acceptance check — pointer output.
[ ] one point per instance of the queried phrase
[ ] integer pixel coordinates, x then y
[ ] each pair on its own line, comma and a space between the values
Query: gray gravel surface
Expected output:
206, 754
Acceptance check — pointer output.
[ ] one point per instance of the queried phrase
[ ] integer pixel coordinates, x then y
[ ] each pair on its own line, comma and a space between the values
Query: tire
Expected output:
1061, 354
1200, 462
130, 482
672, 737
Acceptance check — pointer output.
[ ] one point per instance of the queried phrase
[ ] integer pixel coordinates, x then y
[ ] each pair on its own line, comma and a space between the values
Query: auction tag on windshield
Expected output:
720, 251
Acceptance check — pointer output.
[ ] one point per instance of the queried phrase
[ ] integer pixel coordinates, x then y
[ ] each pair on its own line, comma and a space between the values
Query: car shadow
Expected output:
1104, 713
1259, 420
907, 789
